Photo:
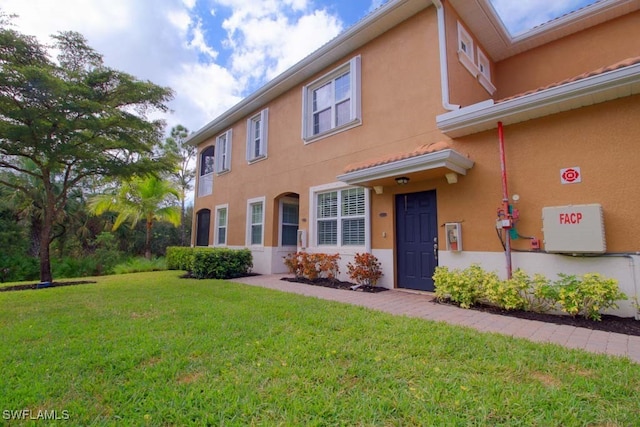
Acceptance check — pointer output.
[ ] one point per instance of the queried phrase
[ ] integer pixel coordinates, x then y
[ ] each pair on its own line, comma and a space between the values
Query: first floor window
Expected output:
290, 214
341, 217
255, 220
221, 225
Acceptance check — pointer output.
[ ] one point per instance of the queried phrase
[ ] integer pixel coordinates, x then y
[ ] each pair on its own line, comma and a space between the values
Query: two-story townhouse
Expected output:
428, 135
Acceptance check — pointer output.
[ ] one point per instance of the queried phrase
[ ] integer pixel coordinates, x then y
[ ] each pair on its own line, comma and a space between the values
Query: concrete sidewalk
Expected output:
417, 305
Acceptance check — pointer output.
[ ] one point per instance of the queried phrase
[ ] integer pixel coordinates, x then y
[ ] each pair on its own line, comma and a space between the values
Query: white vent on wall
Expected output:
574, 229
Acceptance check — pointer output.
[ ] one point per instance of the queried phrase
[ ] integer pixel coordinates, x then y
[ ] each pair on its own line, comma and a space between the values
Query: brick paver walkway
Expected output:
415, 305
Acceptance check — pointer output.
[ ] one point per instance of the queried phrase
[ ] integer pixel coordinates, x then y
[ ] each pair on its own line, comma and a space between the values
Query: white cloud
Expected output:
165, 41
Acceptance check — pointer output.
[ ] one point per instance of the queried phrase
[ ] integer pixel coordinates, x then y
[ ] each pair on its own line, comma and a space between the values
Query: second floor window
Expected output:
257, 136
332, 103
223, 152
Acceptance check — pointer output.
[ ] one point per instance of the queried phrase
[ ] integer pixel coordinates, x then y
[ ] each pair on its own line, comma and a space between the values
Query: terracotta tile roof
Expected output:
618, 65
423, 149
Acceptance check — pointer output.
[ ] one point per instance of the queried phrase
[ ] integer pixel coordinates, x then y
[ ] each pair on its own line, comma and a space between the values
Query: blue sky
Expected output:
522, 15
212, 53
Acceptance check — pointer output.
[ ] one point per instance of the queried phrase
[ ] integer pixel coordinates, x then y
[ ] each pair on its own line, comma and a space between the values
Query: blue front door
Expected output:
416, 240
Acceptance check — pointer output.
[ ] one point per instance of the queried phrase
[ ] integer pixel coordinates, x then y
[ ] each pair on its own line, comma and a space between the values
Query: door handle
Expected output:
435, 251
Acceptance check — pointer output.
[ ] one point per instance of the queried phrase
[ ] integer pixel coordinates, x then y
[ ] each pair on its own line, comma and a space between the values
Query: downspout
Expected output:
505, 199
444, 69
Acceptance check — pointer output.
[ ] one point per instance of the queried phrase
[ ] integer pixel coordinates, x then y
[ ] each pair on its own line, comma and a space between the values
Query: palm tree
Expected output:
148, 198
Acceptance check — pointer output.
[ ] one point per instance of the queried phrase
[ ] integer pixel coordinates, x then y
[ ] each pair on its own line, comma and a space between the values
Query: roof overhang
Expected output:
486, 25
373, 25
588, 91
426, 166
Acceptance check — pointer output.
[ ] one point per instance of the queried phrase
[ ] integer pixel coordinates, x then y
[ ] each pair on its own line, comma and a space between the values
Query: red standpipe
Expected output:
505, 198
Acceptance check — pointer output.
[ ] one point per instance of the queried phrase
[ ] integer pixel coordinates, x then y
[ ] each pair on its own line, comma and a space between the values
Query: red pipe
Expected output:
505, 197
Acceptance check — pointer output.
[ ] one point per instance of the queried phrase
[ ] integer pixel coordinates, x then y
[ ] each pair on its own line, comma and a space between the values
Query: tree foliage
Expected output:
184, 172
140, 198
74, 119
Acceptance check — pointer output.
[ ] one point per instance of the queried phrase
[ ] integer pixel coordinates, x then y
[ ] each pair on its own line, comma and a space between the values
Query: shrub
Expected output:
220, 263
312, 266
69, 267
365, 269
587, 295
464, 287
140, 264
179, 258
107, 254
16, 267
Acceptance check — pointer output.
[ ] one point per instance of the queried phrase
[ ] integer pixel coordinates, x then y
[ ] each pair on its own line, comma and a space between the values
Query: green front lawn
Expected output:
153, 349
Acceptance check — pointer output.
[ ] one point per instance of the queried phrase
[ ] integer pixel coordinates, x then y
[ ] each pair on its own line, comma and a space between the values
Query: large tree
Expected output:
74, 118
146, 198
184, 173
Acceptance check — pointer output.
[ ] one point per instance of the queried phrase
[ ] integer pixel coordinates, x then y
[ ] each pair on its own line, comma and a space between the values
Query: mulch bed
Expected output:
621, 325
43, 285
336, 284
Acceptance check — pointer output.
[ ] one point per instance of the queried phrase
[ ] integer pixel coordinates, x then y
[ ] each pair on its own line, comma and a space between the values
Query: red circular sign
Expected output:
570, 175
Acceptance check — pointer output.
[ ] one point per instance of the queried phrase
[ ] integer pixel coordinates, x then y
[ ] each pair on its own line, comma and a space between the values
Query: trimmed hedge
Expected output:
210, 263
179, 257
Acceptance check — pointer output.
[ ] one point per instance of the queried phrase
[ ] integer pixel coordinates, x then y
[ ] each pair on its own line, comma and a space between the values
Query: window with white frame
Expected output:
255, 222
466, 50
221, 225
332, 103
223, 152
341, 217
289, 214
484, 67
205, 180
257, 136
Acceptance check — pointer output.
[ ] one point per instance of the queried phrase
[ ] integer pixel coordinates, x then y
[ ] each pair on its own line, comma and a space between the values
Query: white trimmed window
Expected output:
222, 221
255, 222
332, 103
484, 67
257, 136
289, 214
205, 180
223, 152
341, 217
465, 50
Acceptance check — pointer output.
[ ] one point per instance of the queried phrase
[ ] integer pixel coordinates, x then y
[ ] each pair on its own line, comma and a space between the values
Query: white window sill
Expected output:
257, 159
331, 132
486, 83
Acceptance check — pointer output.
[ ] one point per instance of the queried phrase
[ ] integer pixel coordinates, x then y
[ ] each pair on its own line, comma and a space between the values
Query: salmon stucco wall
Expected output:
400, 96
570, 56
464, 88
601, 140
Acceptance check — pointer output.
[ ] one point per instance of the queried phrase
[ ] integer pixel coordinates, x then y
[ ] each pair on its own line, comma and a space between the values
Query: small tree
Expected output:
148, 198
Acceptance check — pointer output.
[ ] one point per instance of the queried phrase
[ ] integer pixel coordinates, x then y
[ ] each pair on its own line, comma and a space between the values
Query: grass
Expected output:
153, 349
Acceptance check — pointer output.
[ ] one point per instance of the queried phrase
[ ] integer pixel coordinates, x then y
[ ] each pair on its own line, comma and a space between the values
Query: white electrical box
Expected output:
574, 229
454, 236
